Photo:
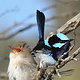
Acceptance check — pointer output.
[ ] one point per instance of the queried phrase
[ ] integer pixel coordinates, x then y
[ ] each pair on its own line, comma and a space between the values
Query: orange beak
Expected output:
16, 49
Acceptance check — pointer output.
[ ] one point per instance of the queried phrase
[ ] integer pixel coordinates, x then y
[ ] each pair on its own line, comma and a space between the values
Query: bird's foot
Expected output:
44, 69
57, 71
75, 59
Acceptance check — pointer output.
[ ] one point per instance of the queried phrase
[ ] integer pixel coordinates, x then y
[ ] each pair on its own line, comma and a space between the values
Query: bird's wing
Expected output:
63, 49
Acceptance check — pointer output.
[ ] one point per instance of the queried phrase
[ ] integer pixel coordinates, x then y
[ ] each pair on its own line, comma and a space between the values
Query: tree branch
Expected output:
70, 25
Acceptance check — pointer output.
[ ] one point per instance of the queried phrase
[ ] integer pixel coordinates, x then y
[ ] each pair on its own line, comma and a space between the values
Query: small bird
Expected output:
22, 64
49, 50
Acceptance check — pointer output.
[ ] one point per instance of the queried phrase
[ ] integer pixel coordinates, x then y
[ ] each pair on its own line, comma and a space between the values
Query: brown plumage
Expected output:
22, 65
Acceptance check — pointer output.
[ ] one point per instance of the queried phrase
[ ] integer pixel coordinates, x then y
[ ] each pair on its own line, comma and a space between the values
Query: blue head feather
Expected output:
62, 36
46, 42
58, 45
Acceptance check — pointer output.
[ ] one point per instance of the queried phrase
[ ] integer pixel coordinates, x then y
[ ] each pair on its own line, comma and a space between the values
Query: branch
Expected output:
70, 25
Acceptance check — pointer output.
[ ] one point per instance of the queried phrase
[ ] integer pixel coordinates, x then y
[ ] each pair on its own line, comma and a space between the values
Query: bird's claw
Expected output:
57, 71
75, 59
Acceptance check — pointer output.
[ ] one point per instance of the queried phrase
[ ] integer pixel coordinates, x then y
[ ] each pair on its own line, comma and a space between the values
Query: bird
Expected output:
22, 65
49, 50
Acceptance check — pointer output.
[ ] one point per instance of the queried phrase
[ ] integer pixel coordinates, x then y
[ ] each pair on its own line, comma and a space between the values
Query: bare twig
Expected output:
70, 25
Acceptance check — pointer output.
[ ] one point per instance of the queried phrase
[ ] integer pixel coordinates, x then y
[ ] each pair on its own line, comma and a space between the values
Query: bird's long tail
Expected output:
41, 22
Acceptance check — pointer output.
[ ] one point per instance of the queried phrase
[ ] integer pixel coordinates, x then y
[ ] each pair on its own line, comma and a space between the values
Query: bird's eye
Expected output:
18, 50
60, 41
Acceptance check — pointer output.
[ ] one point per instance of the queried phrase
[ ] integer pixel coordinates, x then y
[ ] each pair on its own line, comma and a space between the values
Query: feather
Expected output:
41, 22
21, 66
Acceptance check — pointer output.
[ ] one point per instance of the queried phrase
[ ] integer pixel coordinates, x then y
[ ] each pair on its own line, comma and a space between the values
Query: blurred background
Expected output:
18, 22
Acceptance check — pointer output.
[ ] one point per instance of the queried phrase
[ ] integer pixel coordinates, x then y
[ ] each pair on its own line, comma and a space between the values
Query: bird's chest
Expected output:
45, 59
17, 70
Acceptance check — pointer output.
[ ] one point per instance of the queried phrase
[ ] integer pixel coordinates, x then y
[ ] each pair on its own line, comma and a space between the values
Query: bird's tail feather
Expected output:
41, 22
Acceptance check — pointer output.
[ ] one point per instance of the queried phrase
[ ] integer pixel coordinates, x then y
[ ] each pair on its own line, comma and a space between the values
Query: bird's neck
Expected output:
25, 59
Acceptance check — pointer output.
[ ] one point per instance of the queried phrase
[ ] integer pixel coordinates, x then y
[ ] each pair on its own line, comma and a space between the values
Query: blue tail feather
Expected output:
41, 23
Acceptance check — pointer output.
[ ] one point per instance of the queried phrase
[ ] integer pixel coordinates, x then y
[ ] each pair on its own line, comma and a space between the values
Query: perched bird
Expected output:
22, 64
49, 50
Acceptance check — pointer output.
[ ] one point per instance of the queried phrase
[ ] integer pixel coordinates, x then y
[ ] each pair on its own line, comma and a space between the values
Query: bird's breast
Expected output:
45, 59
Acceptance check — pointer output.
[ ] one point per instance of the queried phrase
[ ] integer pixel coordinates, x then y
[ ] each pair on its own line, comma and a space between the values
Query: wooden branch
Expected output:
70, 25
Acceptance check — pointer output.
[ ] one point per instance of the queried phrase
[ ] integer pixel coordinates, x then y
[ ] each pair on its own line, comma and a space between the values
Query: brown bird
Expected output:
22, 65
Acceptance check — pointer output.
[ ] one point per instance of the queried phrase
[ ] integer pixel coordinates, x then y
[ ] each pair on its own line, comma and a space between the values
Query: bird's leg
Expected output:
44, 69
57, 71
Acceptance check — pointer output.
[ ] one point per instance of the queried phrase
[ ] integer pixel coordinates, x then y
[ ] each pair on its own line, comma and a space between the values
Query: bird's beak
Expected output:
16, 49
